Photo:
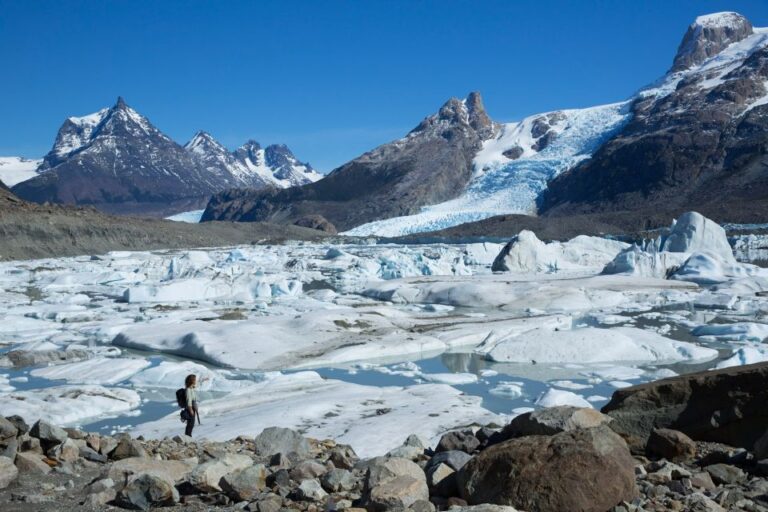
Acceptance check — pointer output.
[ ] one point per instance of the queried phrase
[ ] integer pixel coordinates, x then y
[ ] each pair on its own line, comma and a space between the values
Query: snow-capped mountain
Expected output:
14, 169
251, 165
118, 161
432, 164
697, 138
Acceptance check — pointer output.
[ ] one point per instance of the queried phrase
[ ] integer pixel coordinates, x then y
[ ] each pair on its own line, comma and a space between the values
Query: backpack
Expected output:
181, 397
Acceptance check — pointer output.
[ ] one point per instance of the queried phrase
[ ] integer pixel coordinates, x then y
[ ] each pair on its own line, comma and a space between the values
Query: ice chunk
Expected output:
555, 397
739, 331
692, 232
593, 345
171, 375
99, 370
745, 355
69, 405
711, 268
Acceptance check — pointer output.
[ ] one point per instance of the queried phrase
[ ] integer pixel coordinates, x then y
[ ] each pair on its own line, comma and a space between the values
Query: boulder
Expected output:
725, 474
245, 484
48, 434
484, 508
67, 451
393, 484
464, 441
274, 440
207, 476
7, 429
307, 469
127, 448
670, 444
123, 471
343, 456
32, 463
310, 490
338, 480
8, 472
590, 470
147, 491
107, 445
19, 423
397, 494
316, 222
726, 406
453, 459
552, 420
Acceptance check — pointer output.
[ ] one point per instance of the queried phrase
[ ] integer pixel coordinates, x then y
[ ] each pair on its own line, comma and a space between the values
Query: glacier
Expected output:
501, 185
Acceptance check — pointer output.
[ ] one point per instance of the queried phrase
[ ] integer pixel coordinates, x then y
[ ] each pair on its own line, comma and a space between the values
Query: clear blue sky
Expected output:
331, 79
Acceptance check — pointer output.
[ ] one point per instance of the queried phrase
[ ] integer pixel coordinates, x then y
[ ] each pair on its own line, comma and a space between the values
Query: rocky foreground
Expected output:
697, 442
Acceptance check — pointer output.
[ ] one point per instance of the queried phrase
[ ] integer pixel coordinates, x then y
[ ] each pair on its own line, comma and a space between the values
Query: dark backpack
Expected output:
181, 397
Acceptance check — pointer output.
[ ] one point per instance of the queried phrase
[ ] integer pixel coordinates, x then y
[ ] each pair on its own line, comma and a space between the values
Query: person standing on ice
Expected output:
190, 413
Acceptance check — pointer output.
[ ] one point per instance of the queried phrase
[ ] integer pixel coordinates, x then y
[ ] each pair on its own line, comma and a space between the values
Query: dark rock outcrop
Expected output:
433, 163
708, 36
726, 406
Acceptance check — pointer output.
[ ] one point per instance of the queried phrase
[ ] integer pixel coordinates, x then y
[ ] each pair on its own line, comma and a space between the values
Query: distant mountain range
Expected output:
696, 139
116, 160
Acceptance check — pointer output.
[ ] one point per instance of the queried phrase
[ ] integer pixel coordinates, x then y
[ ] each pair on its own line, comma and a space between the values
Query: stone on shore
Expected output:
589, 470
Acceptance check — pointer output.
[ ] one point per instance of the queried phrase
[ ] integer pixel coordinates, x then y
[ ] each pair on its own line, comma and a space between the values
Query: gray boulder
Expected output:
393, 484
453, 459
338, 480
147, 491
123, 471
245, 484
274, 440
464, 441
7, 429
207, 476
590, 470
761, 447
127, 448
307, 469
310, 490
48, 434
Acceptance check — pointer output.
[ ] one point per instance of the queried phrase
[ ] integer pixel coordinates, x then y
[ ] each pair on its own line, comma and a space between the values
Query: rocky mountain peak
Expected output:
469, 112
248, 151
120, 104
708, 35
203, 142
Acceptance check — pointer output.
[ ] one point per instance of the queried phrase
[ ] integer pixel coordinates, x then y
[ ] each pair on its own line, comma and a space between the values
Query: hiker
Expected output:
189, 413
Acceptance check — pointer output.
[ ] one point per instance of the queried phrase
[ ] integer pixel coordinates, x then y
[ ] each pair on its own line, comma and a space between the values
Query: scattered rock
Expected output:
19, 423
147, 491
32, 463
761, 447
310, 490
725, 473
397, 494
464, 441
206, 476
590, 470
245, 484
175, 471
454, 459
67, 451
127, 448
7, 429
670, 444
281, 440
49, 435
307, 470
338, 480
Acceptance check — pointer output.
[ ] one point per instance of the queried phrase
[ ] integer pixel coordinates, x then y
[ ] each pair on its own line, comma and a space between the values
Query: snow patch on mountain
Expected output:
14, 169
512, 169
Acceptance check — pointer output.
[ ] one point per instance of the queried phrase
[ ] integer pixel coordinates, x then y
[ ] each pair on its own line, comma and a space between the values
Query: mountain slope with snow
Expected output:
697, 139
512, 169
14, 169
431, 164
116, 160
